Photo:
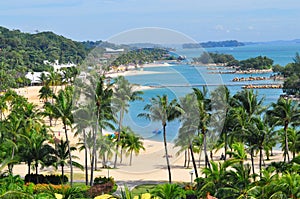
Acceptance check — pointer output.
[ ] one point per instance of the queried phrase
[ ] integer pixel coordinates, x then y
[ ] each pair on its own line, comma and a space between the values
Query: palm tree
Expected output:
53, 80
3, 107
62, 155
40, 151
104, 114
190, 121
223, 120
284, 113
123, 94
160, 109
133, 144
247, 107
62, 109
168, 191
203, 106
45, 93
258, 131
293, 141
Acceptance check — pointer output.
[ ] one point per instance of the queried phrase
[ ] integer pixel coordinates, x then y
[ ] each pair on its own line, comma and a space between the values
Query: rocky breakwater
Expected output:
264, 86
236, 79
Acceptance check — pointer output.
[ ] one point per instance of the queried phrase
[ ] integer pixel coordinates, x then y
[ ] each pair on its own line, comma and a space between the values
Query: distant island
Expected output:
212, 44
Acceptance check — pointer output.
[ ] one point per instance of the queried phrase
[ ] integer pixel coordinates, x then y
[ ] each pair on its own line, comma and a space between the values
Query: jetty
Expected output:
263, 86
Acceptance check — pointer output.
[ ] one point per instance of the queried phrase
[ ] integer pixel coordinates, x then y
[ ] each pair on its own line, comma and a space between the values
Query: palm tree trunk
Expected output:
85, 159
121, 156
225, 145
130, 158
62, 170
119, 136
252, 163
166, 153
96, 160
36, 168
200, 153
286, 155
188, 160
93, 154
205, 150
260, 161
70, 156
185, 158
193, 160
28, 164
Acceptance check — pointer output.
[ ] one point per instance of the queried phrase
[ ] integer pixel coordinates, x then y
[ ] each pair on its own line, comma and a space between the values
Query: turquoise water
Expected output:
177, 80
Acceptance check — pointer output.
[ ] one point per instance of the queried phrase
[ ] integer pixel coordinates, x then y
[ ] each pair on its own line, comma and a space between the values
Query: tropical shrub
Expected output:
39, 188
102, 185
48, 179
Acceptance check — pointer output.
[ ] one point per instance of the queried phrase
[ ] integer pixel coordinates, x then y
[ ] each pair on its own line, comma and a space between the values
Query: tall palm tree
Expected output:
3, 107
62, 109
160, 109
133, 144
123, 94
104, 113
203, 108
190, 121
40, 150
62, 155
45, 93
223, 120
284, 113
293, 141
168, 191
53, 80
247, 107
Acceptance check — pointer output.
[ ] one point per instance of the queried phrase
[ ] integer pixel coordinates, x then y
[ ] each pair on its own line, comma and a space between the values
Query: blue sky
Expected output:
244, 20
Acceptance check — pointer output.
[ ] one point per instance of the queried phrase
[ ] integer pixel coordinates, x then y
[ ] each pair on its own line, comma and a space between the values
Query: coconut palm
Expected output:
3, 107
45, 93
53, 80
168, 191
40, 151
293, 141
62, 109
124, 93
203, 108
62, 155
284, 113
133, 144
190, 121
102, 96
223, 120
160, 109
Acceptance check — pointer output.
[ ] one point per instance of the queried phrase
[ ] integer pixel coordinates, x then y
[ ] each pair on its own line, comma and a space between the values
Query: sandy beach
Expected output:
149, 165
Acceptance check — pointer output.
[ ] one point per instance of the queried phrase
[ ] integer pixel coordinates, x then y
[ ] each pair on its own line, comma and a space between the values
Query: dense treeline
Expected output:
23, 52
141, 56
259, 62
217, 58
212, 44
291, 72
30, 50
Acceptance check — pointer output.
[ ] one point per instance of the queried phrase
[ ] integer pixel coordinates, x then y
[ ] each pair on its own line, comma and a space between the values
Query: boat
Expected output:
156, 131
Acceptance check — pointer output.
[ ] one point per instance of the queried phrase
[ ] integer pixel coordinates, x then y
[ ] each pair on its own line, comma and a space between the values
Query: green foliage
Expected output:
168, 191
291, 71
207, 58
103, 180
141, 56
260, 62
22, 52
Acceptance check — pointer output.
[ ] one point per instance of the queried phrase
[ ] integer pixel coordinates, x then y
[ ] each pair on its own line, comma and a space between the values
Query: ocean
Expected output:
178, 80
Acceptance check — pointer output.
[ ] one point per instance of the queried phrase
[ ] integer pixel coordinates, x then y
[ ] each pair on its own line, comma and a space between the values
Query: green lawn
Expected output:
144, 188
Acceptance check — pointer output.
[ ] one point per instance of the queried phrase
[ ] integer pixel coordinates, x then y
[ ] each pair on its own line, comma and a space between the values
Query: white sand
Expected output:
149, 165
